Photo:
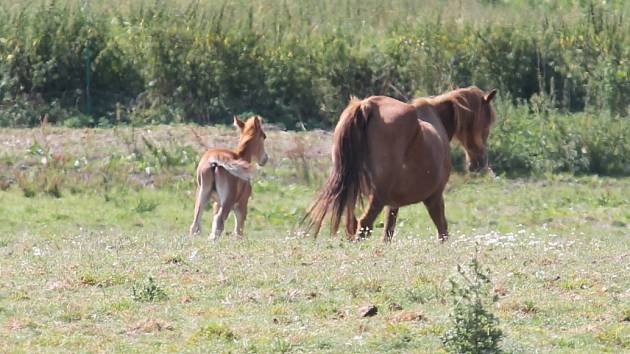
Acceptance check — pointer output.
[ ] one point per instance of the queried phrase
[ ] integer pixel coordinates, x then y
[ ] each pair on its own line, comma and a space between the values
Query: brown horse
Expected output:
224, 175
398, 154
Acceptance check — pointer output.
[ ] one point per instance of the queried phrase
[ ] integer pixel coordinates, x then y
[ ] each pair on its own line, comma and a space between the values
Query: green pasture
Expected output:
97, 259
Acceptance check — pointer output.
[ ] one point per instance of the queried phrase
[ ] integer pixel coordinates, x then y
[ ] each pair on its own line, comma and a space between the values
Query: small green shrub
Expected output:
149, 291
145, 206
214, 331
52, 185
79, 121
474, 329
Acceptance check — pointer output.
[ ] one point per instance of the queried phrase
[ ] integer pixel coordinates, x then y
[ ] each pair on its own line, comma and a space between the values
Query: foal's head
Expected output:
252, 139
474, 115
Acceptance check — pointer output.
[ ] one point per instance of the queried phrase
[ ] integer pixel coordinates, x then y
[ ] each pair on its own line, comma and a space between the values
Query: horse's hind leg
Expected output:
240, 213
390, 223
366, 222
218, 221
225, 202
435, 206
351, 223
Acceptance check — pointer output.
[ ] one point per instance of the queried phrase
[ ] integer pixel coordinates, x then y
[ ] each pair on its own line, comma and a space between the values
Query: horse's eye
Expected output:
264, 136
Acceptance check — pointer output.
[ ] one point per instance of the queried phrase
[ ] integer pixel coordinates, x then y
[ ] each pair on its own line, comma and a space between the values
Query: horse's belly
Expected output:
416, 189
412, 184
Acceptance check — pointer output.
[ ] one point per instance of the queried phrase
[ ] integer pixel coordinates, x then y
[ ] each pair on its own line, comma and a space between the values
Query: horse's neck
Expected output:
243, 151
446, 113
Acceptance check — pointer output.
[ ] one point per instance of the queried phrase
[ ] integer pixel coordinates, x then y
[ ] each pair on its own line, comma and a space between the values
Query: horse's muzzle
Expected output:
263, 159
479, 164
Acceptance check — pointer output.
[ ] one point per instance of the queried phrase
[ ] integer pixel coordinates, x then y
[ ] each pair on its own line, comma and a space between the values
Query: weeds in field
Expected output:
148, 291
145, 206
214, 331
474, 329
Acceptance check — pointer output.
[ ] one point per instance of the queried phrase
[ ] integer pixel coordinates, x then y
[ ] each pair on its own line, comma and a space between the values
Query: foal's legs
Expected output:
435, 206
224, 204
390, 223
204, 189
367, 219
219, 220
240, 213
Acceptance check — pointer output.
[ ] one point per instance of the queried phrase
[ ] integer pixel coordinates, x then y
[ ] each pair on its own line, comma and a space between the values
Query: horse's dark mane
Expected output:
466, 104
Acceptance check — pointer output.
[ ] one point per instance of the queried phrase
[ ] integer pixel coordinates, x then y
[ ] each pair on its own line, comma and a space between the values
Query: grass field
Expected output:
75, 265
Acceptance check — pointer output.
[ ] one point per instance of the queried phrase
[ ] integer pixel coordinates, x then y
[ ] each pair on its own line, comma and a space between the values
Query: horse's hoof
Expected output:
194, 231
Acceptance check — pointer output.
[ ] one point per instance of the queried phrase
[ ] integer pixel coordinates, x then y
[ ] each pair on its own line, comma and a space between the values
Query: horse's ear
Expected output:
258, 120
238, 123
489, 96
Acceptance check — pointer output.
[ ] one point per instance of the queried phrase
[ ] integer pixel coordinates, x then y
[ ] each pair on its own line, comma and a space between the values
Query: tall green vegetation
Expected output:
298, 62
561, 67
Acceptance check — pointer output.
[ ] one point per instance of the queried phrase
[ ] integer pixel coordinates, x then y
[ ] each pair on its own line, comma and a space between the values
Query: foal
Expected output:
224, 175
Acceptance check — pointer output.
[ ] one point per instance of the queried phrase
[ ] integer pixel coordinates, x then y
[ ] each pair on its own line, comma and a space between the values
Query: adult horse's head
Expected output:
252, 139
473, 116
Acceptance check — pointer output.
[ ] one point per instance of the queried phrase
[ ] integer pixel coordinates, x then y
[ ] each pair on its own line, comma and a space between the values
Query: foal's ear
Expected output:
489, 96
258, 121
238, 123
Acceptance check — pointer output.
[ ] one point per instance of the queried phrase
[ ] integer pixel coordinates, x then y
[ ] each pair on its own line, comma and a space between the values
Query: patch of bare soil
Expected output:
96, 143
150, 325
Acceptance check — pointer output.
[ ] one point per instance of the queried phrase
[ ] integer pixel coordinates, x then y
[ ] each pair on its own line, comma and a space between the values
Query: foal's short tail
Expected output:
208, 182
349, 175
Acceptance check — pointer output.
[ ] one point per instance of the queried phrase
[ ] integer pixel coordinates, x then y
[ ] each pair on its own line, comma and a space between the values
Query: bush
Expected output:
148, 292
474, 329
525, 142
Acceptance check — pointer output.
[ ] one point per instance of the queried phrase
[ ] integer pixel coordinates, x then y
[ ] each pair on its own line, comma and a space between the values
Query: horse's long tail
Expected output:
350, 174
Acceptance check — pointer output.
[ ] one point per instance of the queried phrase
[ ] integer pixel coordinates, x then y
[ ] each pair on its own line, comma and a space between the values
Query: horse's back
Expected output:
407, 155
219, 153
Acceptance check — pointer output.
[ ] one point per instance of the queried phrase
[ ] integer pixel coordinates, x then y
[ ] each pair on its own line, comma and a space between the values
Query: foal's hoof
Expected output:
194, 231
443, 239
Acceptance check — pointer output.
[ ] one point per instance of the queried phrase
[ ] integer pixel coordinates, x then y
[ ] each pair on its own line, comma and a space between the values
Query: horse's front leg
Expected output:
390, 223
366, 222
435, 206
